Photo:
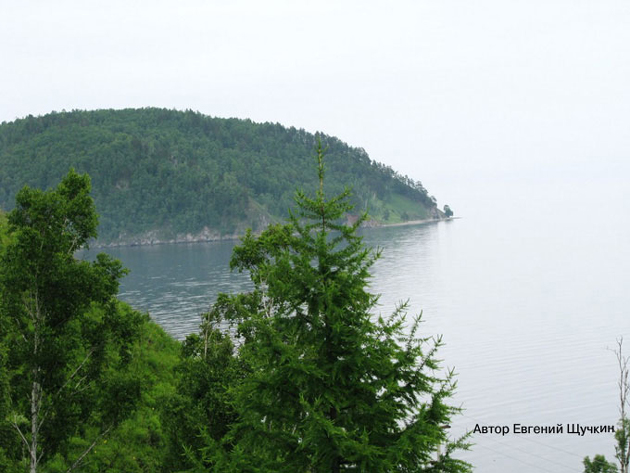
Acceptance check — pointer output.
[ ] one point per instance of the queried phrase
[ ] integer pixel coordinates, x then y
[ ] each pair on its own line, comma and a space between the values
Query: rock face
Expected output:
154, 237
437, 214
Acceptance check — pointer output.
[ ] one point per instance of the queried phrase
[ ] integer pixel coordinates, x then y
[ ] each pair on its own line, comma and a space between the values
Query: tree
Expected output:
599, 464
63, 339
3, 228
200, 412
622, 435
447, 211
330, 387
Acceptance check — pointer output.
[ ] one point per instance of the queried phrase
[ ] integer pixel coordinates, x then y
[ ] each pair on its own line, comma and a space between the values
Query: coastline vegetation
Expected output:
307, 380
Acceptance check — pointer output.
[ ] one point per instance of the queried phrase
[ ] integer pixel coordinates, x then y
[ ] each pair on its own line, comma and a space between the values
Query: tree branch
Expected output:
66, 383
17, 427
79, 460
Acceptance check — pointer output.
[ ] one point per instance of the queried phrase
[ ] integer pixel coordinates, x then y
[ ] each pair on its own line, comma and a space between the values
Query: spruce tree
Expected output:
331, 386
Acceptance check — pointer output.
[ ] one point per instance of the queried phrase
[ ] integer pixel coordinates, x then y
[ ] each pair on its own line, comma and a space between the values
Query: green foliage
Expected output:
622, 433
329, 388
3, 229
178, 172
622, 438
447, 211
599, 464
314, 383
140, 443
403, 210
200, 414
64, 339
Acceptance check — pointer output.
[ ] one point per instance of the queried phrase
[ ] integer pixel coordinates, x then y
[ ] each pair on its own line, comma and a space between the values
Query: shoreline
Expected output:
414, 222
190, 239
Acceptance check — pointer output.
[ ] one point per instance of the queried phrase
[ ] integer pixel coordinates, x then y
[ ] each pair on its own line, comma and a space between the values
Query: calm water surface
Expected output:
528, 303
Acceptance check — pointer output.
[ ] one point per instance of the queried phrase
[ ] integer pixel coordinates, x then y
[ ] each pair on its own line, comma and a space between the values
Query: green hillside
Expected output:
168, 175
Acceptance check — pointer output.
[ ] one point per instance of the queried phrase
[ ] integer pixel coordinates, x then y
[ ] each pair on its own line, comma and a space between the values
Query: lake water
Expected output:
529, 292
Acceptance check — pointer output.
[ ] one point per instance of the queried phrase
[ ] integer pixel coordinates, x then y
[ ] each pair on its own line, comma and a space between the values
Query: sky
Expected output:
468, 97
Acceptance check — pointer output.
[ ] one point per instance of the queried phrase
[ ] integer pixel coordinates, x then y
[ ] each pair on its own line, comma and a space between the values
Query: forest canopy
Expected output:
163, 173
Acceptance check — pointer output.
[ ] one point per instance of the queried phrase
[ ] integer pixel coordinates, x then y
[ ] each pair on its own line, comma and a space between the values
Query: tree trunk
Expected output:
623, 441
336, 462
36, 390
35, 404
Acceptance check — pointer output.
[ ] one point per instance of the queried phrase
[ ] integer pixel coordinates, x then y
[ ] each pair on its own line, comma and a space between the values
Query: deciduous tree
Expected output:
62, 340
622, 435
599, 464
200, 413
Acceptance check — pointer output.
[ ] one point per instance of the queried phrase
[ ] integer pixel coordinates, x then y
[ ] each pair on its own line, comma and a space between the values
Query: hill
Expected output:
165, 175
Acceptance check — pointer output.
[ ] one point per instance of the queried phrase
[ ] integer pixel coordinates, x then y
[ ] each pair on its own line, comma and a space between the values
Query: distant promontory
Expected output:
167, 176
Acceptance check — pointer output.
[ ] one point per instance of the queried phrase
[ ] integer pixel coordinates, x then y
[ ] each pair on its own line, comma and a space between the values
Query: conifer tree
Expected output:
330, 385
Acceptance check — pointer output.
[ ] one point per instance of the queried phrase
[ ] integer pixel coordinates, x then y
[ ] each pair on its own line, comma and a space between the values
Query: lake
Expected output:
530, 293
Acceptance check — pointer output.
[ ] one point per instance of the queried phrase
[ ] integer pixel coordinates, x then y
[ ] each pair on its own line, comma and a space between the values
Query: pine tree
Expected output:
330, 386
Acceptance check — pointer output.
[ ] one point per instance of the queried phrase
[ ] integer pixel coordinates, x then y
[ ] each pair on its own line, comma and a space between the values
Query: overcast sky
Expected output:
445, 91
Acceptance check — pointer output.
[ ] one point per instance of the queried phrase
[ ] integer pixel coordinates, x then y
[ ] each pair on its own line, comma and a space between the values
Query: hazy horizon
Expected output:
458, 95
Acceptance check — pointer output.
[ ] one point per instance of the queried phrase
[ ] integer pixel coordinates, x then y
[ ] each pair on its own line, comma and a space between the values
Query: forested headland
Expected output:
165, 175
